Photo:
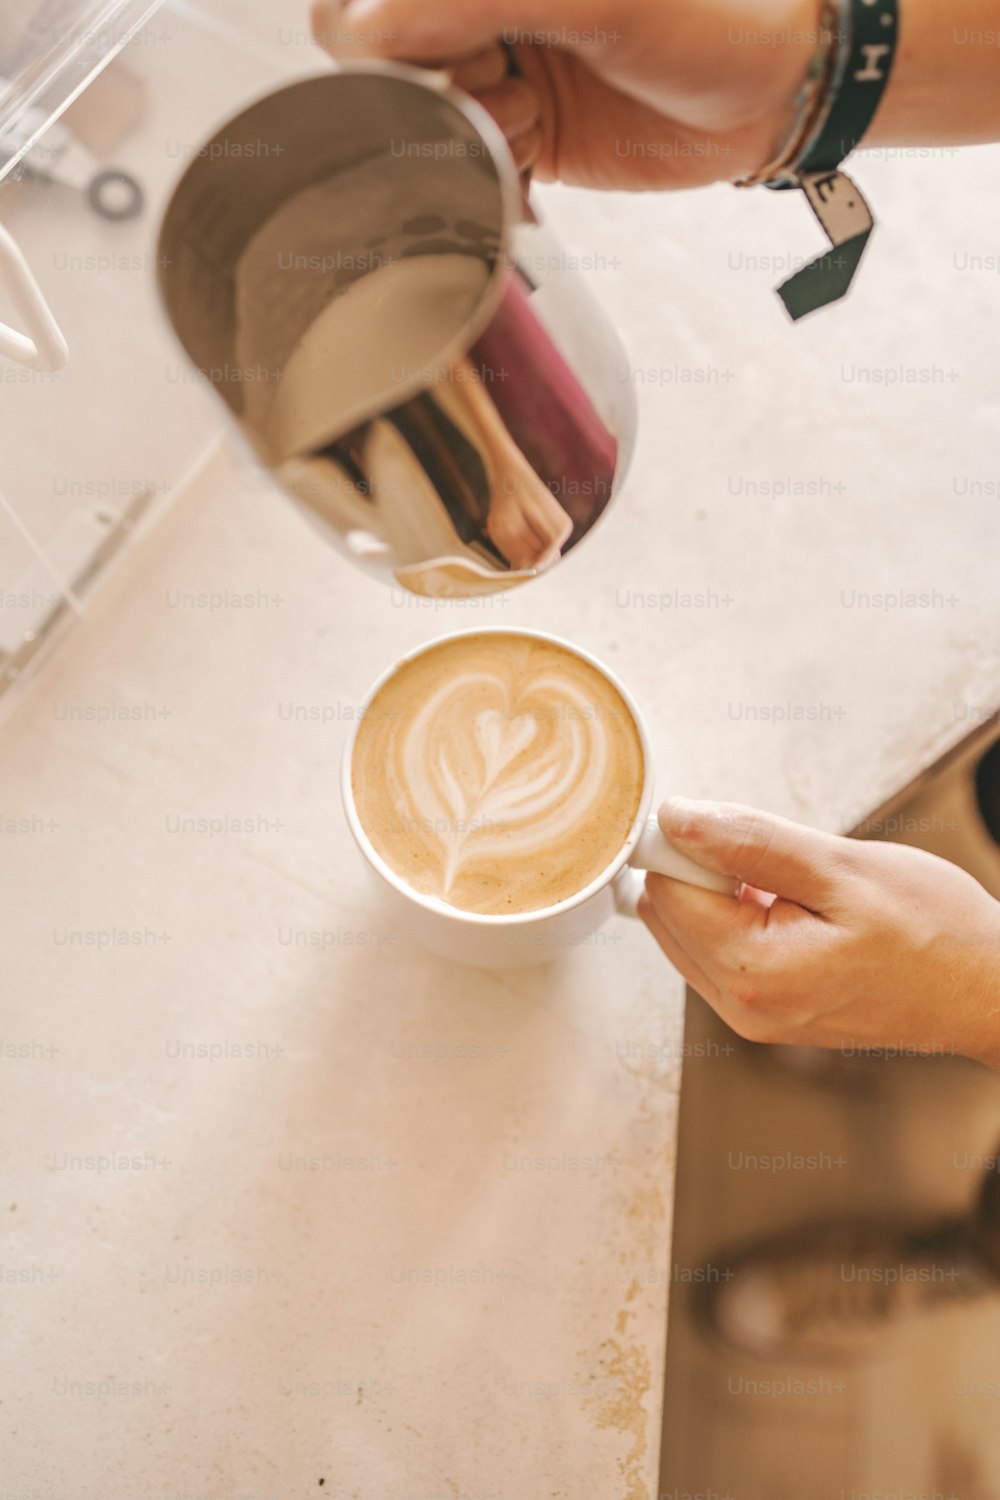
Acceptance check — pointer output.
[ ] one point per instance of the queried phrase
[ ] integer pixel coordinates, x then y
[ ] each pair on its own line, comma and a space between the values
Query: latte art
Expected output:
498, 773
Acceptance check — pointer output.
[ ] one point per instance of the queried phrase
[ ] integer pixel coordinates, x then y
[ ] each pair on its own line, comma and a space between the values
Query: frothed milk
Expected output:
338, 329
382, 334
498, 773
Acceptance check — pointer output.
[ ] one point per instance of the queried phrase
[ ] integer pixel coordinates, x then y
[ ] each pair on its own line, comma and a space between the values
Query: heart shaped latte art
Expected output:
510, 778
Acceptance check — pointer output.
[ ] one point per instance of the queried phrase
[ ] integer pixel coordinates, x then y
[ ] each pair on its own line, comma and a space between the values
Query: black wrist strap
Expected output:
857, 92
871, 54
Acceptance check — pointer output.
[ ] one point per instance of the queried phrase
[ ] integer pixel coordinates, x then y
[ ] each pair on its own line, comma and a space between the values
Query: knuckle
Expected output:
751, 837
839, 859
748, 995
837, 871
756, 991
753, 1028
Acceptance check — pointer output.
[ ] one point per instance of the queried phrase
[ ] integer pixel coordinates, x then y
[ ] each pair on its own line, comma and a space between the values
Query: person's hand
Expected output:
613, 93
527, 524
864, 945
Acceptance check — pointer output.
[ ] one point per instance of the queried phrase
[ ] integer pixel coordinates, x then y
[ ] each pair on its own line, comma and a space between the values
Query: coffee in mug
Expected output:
500, 786
498, 773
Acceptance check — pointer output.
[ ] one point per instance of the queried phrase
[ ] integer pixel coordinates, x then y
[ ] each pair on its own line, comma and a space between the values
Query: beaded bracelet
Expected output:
814, 100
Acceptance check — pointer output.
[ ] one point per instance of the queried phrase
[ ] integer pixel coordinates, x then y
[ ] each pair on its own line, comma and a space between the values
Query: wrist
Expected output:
783, 80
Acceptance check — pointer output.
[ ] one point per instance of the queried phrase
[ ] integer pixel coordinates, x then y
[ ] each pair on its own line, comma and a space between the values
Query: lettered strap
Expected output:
857, 94
857, 90
840, 207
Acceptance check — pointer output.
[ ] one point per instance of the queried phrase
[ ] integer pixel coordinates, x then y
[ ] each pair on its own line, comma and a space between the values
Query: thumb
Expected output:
426, 29
772, 854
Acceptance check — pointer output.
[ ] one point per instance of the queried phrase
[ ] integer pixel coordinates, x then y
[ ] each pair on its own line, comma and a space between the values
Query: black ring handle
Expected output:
103, 195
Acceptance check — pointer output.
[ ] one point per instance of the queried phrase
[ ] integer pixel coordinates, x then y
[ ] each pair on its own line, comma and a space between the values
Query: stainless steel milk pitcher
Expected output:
355, 265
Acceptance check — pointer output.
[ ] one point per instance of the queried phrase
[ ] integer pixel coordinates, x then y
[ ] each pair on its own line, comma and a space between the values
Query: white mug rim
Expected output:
482, 919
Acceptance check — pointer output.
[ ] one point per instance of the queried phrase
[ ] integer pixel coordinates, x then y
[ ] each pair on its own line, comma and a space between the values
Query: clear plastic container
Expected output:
90, 449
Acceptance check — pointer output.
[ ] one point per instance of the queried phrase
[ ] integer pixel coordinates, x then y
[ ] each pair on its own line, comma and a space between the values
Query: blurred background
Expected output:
800, 586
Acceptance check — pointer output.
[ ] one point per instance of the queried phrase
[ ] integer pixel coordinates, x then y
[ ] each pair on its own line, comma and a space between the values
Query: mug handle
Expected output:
654, 853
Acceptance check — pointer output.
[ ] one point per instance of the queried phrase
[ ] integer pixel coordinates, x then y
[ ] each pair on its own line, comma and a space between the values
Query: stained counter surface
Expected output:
292, 1207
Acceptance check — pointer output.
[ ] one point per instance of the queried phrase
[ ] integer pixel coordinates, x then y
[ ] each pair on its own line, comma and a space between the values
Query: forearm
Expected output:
945, 86
717, 85
984, 993
944, 89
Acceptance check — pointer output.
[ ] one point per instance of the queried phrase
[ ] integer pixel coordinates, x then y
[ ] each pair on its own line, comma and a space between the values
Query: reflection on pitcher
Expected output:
445, 404
473, 473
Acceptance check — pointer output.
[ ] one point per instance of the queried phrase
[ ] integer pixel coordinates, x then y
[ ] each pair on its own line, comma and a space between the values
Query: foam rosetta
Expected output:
500, 774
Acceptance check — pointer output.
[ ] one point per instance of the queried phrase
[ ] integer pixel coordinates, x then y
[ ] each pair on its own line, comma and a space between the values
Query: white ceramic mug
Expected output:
506, 942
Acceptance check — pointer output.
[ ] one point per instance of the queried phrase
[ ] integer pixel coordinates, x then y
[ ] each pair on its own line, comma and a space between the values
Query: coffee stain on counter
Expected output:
621, 1408
646, 1210
624, 1375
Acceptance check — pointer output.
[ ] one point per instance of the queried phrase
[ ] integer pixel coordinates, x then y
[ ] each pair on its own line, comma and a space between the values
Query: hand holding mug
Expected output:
860, 944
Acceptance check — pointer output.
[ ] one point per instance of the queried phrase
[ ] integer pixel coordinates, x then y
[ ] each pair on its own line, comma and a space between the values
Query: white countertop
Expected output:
417, 1243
